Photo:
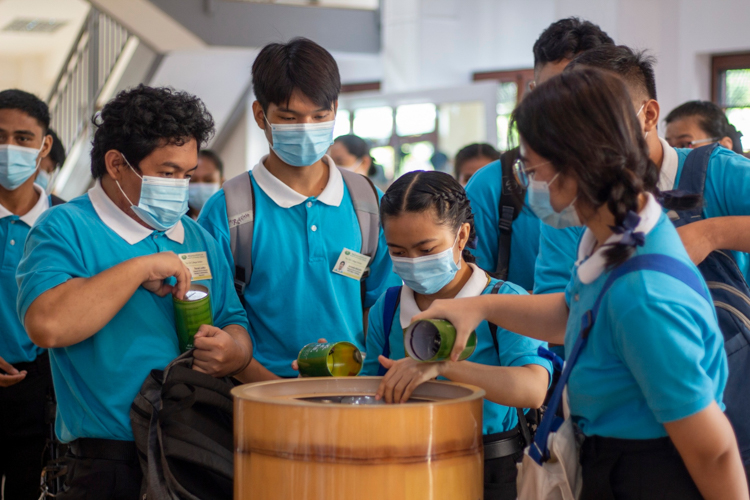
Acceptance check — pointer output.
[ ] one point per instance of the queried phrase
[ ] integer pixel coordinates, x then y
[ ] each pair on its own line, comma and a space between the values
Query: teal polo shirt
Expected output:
97, 379
514, 349
484, 191
726, 193
15, 344
655, 353
294, 297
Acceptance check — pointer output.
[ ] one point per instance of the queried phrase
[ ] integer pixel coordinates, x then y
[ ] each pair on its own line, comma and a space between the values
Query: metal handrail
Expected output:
72, 100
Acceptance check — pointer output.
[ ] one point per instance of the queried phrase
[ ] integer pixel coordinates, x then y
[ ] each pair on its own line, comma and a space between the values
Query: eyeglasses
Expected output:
523, 173
698, 143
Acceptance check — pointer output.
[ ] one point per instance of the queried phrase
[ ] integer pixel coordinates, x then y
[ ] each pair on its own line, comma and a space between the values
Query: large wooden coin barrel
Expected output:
300, 440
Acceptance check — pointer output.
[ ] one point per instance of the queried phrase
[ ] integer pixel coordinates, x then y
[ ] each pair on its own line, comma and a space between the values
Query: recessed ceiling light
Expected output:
25, 25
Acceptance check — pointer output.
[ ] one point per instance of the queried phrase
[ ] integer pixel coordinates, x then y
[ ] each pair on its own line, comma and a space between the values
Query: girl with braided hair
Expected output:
648, 373
428, 225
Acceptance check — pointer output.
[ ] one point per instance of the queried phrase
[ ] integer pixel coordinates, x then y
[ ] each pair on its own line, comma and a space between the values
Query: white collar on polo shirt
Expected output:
32, 215
124, 225
286, 197
473, 288
590, 268
669, 165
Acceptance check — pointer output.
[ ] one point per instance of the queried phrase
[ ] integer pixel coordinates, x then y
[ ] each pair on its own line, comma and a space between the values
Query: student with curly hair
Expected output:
97, 278
428, 227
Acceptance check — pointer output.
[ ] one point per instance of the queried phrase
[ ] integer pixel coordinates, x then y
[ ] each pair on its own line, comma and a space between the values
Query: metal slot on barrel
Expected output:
328, 439
190, 314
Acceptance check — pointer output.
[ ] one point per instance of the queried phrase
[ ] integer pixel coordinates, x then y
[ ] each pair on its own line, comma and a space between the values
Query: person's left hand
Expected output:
697, 240
217, 353
404, 376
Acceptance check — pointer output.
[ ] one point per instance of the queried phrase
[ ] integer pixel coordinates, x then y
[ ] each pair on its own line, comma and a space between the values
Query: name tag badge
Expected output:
197, 262
351, 264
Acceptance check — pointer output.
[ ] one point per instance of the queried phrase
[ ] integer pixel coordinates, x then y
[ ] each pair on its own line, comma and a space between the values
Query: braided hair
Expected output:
583, 121
420, 191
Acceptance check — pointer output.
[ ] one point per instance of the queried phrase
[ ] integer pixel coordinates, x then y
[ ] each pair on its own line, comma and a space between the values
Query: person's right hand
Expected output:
13, 376
161, 266
465, 314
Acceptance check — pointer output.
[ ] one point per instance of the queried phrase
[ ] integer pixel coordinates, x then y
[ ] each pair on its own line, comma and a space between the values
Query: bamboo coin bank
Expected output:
329, 439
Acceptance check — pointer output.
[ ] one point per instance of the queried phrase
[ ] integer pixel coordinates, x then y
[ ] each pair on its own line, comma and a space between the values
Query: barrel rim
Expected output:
238, 393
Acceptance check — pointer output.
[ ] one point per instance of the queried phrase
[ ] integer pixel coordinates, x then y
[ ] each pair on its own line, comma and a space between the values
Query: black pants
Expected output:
23, 429
500, 473
102, 469
648, 469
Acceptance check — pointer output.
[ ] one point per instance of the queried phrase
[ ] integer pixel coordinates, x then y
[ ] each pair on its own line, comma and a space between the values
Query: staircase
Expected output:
82, 87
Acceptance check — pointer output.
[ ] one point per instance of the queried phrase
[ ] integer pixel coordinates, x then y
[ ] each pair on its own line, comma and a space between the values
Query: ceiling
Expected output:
32, 60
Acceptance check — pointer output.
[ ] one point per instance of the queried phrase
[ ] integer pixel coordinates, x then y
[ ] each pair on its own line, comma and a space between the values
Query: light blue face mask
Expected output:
200, 192
301, 144
540, 204
429, 274
163, 201
17, 164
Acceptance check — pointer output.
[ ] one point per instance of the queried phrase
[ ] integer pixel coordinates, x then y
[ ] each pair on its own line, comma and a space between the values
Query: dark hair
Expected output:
584, 123
565, 38
711, 119
635, 68
359, 148
28, 103
301, 64
211, 155
422, 190
138, 121
57, 153
476, 150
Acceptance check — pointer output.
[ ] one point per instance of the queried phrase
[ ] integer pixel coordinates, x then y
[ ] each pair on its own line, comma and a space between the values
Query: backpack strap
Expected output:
693, 181
55, 200
665, 264
392, 301
240, 199
508, 212
493, 327
366, 207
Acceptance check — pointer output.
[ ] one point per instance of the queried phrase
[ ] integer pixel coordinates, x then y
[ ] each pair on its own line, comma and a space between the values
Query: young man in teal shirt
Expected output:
304, 220
97, 278
726, 196
554, 49
25, 380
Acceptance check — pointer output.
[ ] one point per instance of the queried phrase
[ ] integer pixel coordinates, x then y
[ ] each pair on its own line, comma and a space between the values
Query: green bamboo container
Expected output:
332, 359
433, 339
190, 314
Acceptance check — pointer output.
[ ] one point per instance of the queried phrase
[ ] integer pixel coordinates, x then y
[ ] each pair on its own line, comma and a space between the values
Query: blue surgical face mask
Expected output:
17, 164
301, 144
429, 274
163, 200
200, 192
539, 202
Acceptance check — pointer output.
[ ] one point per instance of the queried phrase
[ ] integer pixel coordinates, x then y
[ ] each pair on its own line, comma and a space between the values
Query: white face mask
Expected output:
352, 168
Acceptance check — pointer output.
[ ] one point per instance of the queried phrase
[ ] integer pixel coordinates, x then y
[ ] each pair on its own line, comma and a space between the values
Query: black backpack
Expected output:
731, 297
183, 427
511, 204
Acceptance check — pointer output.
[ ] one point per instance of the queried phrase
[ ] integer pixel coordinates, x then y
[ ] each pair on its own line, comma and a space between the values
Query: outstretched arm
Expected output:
541, 317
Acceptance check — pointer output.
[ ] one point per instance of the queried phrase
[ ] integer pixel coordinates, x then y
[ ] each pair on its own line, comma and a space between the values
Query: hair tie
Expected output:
627, 229
472, 243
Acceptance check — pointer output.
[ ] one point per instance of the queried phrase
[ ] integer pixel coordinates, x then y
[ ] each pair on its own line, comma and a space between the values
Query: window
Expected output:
343, 125
731, 91
374, 123
513, 86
